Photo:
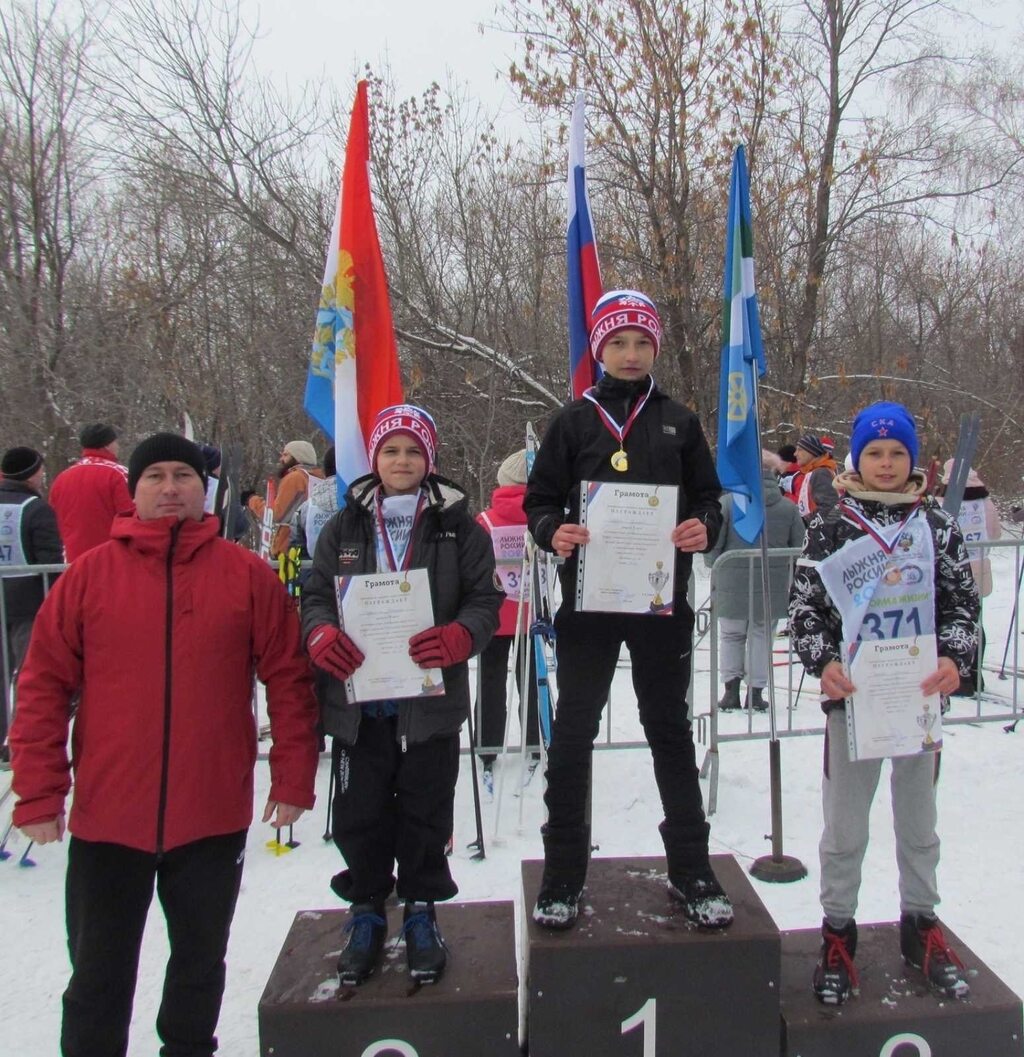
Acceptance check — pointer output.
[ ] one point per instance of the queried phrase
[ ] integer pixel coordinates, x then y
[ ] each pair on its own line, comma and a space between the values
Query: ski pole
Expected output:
1013, 622
327, 834
477, 844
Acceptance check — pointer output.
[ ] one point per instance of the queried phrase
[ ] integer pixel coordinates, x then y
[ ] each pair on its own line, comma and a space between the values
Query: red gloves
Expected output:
441, 646
333, 651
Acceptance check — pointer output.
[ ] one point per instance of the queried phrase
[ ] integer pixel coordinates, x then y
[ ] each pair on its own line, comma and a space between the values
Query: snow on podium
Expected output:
632, 979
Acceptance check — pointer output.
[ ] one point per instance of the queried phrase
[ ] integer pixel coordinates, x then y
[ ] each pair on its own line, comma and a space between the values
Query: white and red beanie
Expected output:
623, 310
403, 418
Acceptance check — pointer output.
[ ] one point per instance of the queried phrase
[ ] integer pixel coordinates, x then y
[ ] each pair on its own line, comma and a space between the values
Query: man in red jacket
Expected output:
160, 631
91, 492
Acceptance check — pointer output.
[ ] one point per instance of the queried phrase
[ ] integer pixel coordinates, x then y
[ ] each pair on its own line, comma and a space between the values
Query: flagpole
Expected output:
778, 867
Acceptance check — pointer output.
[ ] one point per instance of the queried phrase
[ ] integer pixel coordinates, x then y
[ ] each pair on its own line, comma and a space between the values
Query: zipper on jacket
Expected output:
168, 654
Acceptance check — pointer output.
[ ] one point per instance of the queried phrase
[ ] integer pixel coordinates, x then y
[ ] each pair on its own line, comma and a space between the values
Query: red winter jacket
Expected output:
506, 509
164, 738
87, 496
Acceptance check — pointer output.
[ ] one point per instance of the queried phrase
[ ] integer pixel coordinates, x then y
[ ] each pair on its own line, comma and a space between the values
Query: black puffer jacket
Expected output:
815, 624
665, 446
41, 543
457, 554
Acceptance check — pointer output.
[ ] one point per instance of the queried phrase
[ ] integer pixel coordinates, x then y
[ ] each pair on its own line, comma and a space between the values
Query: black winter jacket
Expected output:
665, 446
40, 539
459, 559
816, 629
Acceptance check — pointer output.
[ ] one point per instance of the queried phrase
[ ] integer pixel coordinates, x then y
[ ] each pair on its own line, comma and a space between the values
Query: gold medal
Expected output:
619, 461
405, 587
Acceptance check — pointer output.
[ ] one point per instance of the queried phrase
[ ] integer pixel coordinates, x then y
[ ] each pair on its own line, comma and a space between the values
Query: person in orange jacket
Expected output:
295, 466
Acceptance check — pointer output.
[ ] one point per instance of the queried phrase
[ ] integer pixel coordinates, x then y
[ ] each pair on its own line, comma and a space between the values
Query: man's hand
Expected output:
286, 814
944, 680
690, 536
441, 646
834, 684
331, 650
568, 537
45, 832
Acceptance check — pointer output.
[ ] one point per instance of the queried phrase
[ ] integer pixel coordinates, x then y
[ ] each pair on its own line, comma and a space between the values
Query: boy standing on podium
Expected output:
624, 430
851, 584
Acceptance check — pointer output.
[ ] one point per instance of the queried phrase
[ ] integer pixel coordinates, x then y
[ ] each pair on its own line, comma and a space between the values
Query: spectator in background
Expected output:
789, 470
296, 468
239, 521
813, 487
505, 522
743, 636
91, 492
28, 536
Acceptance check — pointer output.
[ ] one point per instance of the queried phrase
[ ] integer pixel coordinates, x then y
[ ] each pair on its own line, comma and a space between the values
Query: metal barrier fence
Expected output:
983, 707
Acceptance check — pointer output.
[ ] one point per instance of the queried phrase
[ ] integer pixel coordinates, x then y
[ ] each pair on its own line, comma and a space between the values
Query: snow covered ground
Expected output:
981, 793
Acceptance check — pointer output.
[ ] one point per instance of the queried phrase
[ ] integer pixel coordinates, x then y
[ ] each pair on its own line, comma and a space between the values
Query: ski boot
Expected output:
557, 906
703, 899
367, 929
425, 951
835, 978
924, 947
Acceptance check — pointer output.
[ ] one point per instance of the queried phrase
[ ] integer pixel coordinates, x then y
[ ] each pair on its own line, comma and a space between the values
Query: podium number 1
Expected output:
643, 1018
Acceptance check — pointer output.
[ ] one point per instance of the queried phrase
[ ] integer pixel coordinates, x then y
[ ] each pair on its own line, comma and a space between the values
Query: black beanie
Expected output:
19, 464
164, 447
98, 435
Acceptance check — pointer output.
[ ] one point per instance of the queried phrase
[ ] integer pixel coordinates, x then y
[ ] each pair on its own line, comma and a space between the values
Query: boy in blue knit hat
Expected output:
884, 511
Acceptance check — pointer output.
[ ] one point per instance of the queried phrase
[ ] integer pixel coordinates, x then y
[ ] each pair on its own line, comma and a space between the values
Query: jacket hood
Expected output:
850, 482
154, 536
772, 495
507, 503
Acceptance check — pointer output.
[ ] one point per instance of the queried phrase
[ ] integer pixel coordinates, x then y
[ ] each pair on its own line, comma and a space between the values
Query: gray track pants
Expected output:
846, 792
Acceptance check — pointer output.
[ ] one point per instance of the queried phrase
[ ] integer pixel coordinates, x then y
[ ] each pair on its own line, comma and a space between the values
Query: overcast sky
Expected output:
423, 42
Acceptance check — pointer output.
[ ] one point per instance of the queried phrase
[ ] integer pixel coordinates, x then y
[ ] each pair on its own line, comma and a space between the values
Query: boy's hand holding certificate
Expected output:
889, 713
381, 612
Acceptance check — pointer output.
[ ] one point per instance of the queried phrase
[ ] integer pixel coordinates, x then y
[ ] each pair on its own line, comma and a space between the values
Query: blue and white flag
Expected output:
739, 442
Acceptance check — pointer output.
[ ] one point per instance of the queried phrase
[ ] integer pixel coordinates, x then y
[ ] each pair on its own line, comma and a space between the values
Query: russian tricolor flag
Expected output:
584, 271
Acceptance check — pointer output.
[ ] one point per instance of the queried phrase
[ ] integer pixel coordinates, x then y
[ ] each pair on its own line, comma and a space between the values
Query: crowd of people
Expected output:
145, 649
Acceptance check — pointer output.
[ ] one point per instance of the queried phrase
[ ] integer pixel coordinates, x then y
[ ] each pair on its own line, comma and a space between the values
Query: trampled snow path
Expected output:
981, 793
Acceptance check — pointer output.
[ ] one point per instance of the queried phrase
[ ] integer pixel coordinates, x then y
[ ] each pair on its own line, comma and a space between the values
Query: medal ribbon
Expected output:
610, 424
870, 528
383, 530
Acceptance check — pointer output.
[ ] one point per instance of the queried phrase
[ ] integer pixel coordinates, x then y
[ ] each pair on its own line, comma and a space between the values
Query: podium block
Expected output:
473, 1009
895, 1014
634, 978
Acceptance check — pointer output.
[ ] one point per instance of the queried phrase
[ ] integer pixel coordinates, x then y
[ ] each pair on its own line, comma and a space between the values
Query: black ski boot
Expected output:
731, 698
924, 947
755, 699
558, 906
425, 951
703, 899
834, 975
367, 929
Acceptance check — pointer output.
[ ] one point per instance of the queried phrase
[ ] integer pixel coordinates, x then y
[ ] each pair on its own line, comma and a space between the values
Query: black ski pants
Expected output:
109, 889
493, 689
394, 806
588, 646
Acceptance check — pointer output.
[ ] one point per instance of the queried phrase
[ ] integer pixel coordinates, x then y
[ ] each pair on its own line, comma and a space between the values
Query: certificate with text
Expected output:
888, 715
380, 612
629, 564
